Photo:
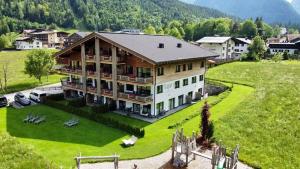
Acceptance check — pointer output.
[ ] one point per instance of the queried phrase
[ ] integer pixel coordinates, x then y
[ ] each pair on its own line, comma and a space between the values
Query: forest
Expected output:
97, 15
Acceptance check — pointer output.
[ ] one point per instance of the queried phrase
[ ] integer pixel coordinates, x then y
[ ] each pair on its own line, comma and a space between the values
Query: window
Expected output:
160, 107
160, 71
171, 103
194, 79
159, 89
184, 67
190, 94
202, 64
190, 66
180, 100
177, 84
185, 82
178, 68
200, 90
201, 78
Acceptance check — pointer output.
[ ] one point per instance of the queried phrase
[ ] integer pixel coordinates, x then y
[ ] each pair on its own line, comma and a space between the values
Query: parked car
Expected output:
3, 101
37, 96
23, 100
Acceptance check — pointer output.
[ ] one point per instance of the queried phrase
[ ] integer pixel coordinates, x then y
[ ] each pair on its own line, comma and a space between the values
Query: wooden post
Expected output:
83, 65
187, 152
173, 148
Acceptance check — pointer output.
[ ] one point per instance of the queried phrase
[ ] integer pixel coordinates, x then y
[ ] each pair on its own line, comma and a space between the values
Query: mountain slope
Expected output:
296, 5
272, 11
103, 14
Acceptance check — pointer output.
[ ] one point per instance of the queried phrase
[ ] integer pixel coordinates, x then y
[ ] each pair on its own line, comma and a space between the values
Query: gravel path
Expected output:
157, 162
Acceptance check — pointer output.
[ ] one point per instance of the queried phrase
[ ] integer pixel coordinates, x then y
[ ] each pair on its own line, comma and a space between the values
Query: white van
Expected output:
37, 95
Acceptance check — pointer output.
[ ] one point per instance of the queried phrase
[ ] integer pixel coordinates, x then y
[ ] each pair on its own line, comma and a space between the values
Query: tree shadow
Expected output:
87, 132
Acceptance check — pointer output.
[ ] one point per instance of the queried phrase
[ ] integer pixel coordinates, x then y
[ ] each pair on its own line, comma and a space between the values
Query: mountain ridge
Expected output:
279, 11
104, 14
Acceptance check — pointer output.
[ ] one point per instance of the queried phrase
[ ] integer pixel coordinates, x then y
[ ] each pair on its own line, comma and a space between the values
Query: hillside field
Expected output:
266, 124
17, 79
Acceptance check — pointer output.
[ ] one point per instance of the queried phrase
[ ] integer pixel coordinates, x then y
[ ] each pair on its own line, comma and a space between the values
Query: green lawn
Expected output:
17, 79
61, 144
267, 123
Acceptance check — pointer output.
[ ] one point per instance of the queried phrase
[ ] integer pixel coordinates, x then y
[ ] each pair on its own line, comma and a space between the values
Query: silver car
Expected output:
22, 99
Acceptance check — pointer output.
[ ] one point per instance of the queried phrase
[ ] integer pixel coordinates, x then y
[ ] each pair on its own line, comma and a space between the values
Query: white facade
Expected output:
170, 92
240, 48
28, 44
224, 46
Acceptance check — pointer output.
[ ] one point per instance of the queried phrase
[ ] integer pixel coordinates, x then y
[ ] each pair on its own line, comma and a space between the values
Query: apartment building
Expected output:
28, 43
224, 46
146, 74
241, 46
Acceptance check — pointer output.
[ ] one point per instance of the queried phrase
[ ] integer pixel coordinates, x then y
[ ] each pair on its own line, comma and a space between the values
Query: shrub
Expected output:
198, 96
78, 102
277, 57
15, 155
188, 99
100, 109
57, 97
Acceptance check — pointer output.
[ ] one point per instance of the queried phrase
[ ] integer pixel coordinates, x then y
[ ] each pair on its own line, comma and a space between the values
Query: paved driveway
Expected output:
49, 89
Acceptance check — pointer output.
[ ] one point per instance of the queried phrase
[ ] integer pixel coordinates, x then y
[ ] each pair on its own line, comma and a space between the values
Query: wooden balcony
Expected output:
92, 89
90, 58
72, 85
134, 97
106, 59
106, 76
107, 92
92, 74
135, 79
71, 71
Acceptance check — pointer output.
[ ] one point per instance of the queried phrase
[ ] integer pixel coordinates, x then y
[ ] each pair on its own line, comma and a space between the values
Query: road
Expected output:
49, 89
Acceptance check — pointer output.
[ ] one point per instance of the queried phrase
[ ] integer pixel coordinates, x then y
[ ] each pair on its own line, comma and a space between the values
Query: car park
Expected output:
22, 99
37, 96
3, 101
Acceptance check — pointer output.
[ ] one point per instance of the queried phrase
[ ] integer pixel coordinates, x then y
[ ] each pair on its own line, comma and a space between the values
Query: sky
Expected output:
289, 0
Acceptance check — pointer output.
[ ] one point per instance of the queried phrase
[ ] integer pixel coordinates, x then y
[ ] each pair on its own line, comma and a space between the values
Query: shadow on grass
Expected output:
87, 132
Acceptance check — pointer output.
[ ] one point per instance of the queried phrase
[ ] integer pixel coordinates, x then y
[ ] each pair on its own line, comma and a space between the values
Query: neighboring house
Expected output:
75, 37
292, 38
144, 74
49, 38
224, 46
241, 46
28, 43
290, 48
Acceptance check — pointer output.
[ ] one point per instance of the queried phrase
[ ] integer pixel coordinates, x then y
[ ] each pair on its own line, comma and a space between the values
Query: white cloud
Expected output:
289, 1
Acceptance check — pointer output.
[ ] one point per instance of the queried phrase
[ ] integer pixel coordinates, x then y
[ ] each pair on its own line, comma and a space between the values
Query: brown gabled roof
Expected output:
147, 46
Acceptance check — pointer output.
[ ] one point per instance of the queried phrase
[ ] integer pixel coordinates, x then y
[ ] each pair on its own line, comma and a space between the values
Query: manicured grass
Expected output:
267, 123
61, 144
17, 79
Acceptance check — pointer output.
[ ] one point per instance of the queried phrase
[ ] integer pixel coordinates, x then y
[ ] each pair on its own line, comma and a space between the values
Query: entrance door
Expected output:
171, 103
122, 105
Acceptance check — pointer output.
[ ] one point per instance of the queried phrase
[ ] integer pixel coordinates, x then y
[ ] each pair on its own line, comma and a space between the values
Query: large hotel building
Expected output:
146, 74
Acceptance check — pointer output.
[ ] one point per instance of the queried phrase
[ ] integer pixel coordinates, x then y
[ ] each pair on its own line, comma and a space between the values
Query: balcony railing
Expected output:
106, 58
135, 79
134, 97
106, 75
91, 89
106, 92
91, 73
77, 71
72, 85
90, 58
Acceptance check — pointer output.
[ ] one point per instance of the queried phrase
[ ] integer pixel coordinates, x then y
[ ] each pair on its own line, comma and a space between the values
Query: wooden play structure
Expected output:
219, 160
115, 159
182, 145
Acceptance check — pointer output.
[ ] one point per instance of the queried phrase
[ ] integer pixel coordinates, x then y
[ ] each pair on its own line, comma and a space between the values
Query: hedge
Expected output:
95, 113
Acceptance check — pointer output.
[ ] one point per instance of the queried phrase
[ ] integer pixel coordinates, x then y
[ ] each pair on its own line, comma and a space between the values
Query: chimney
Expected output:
161, 45
179, 45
